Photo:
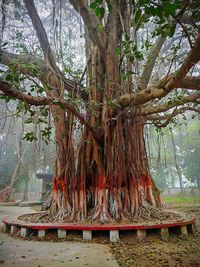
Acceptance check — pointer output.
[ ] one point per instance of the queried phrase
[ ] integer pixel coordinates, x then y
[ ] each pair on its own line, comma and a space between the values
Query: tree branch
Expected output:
172, 115
166, 85
29, 99
188, 19
40, 31
92, 24
167, 106
156, 119
190, 82
148, 68
44, 101
23, 61
45, 45
10, 59
192, 58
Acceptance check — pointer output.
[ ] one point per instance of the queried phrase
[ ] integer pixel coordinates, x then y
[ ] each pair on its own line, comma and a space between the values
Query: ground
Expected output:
26, 253
177, 252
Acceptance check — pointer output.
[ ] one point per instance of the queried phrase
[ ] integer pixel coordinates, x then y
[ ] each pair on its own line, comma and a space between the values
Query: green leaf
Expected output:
100, 12
170, 9
159, 11
61, 105
118, 50
41, 121
6, 98
138, 15
40, 89
44, 112
93, 5
101, 27
20, 106
46, 134
172, 30
4, 45
30, 136
29, 120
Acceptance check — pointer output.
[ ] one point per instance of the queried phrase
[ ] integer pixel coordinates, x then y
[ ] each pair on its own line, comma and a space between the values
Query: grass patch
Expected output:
182, 199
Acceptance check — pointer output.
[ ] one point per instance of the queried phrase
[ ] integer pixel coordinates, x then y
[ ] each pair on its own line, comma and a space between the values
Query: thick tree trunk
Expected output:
112, 180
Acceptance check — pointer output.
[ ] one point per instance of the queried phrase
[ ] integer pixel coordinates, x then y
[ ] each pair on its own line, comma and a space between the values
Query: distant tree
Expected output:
192, 155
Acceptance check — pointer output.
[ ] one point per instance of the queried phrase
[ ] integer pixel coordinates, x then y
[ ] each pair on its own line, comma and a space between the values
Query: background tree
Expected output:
20, 160
161, 153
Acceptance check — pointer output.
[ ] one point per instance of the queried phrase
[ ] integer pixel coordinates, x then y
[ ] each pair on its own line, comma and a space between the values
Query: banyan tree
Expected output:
104, 175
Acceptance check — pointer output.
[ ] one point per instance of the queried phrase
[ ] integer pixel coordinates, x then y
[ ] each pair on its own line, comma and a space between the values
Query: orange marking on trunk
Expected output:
101, 182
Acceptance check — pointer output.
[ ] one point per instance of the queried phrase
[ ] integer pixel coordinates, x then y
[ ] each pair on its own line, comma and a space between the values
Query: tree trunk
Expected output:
176, 162
25, 192
112, 180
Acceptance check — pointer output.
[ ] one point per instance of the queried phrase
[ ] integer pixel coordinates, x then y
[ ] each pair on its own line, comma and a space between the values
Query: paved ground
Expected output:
24, 253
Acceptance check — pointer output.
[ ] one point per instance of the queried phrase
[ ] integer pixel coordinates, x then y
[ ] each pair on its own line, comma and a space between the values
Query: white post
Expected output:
114, 236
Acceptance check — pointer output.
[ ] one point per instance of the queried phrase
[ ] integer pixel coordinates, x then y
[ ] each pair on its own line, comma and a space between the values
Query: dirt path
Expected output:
177, 252
25, 253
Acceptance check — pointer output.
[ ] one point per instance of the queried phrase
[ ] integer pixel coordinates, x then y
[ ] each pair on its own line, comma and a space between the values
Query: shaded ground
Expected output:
177, 252
25, 253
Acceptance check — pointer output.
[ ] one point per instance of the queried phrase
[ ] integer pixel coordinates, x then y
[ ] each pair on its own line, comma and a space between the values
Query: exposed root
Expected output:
62, 215
146, 214
43, 215
156, 214
100, 215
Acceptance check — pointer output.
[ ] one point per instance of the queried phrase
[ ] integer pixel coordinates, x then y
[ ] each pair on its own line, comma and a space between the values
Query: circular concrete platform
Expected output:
13, 225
